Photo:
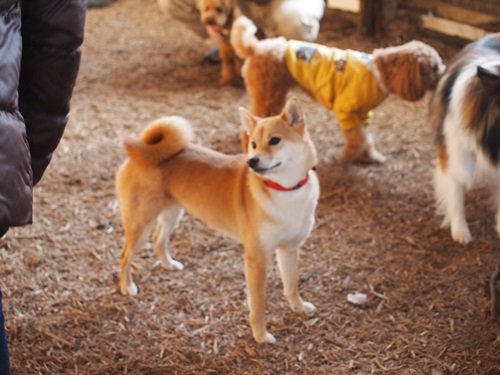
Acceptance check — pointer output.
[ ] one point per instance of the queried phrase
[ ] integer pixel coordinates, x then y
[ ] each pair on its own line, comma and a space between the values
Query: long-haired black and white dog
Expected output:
466, 111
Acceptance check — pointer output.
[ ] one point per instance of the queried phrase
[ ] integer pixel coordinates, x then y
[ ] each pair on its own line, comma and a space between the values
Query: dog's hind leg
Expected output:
166, 223
136, 235
288, 264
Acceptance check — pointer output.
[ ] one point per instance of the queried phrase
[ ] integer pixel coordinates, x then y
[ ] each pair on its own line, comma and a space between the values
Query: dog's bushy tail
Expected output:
243, 37
160, 140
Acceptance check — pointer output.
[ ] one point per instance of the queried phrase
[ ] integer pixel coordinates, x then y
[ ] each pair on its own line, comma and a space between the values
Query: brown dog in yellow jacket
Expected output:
265, 199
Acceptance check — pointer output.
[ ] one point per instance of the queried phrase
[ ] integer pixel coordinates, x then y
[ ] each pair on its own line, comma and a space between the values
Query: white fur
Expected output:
467, 165
295, 19
299, 19
292, 213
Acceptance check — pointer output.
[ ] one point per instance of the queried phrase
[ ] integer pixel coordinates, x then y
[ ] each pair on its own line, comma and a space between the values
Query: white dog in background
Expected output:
466, 111
293, 19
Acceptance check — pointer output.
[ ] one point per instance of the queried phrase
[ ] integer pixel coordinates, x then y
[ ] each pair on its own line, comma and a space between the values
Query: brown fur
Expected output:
442, 155
409, 70
479, 112
439, 99
221, 13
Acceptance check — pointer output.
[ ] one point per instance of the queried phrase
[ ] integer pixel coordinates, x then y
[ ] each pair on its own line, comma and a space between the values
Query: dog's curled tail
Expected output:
243, 37
160, 140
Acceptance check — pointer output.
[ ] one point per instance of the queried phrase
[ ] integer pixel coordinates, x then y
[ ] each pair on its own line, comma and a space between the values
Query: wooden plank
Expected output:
452, 28
452, 12
369, 15
345, 5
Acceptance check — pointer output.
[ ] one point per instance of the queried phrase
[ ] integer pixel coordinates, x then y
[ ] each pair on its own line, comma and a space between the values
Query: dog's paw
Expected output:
303, 307
308, 308
172, 264
370, 156
375, 156
266, 338
129, 289
461, 234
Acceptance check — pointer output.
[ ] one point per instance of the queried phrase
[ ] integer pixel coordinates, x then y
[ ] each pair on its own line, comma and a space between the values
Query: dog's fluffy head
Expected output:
409, 70
217, 13
279, 146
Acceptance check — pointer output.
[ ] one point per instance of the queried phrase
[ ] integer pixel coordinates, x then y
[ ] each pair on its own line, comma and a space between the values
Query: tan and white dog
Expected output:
265, 199
466, 113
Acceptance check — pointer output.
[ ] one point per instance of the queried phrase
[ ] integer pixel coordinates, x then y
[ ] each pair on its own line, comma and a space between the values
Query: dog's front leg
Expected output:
287, 257
450, 195
256, 259
455, 210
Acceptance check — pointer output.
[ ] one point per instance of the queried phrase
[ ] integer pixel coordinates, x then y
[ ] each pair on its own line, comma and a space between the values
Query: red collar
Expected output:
276, 186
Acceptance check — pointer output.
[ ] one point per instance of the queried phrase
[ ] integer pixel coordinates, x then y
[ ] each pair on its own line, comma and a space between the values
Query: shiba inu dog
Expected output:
265, 199
466, 113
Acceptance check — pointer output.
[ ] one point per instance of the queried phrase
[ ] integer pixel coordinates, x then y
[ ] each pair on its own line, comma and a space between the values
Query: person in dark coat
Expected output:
40, 44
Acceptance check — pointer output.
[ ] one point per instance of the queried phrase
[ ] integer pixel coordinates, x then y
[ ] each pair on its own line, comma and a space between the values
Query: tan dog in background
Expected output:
265, 199
351, 83
217, 16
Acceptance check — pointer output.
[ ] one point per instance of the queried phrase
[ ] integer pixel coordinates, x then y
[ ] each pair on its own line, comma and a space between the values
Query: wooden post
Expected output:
374, 14
368, 15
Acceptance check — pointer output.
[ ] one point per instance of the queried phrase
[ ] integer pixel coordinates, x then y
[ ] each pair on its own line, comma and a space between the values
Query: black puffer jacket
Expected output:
39, 60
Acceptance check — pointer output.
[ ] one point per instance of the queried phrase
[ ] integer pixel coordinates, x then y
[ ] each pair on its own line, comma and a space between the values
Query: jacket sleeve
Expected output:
52, 32
15, 169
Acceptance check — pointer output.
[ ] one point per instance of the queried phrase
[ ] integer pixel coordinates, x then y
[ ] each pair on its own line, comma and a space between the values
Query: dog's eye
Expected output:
274, 141
254, 145
219, 10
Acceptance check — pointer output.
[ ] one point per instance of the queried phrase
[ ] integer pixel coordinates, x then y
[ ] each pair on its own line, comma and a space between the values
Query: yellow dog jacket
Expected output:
340, 79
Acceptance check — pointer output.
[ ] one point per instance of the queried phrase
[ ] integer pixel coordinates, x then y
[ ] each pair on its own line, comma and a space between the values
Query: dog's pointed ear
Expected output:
489, 79
247, 120
293, 115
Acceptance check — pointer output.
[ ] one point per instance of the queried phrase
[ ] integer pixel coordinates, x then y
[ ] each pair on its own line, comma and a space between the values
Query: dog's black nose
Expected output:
211, 21
252, 162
